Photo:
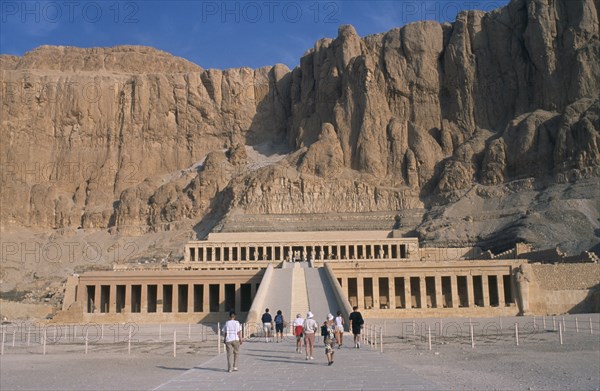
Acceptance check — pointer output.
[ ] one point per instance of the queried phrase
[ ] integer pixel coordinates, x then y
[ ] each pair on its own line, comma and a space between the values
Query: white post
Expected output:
189, 331
219, 337
517, 334
441, 327
101, 331
591, 330
129, 342
429, 336
28, 335
576, 325
54, 337
13, 344
174, 343
534, 325
560, 333
86, 341
544, 321
553, 323
44, 341
384, 327
381, 340
472, 339
2, 344
160, 332
564, 324
500, 324
414, 328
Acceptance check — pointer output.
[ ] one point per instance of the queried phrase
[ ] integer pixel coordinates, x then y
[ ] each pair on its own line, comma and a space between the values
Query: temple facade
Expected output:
384, 274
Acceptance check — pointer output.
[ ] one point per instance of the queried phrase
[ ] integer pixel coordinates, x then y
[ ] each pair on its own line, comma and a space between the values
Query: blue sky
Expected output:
212, 34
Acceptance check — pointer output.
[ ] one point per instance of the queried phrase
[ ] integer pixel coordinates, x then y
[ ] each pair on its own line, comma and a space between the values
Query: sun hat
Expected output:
309, 315
329, 317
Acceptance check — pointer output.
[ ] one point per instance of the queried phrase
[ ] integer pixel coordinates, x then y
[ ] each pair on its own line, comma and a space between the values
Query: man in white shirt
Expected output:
233, 340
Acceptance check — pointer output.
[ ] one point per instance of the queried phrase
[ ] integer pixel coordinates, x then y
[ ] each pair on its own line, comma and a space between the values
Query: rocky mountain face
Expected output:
495, 112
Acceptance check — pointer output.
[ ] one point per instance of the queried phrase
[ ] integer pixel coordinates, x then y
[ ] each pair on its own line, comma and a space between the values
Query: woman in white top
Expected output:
339, 329
299, 332
310, 327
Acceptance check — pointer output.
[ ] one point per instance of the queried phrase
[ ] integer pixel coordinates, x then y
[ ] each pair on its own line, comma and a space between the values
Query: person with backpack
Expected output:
328, 333
356, 325
279, 322
267, 322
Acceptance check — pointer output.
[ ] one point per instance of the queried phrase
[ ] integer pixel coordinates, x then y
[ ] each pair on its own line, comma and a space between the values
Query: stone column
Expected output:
127, 308
144, 299
392, 291
439, 303
175, 303
238, 298
407, 293
454, 289
112, 307
205, 298
470, 291
159, 298
97, 290
221, 297
190, 303
486, 290
501, 302
423, 291
360, 291
376, 298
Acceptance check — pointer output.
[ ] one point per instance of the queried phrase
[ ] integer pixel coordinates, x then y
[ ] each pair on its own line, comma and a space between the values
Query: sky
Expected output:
212, 34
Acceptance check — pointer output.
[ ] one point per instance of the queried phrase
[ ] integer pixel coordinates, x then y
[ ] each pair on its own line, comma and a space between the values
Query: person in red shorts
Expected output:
299, 332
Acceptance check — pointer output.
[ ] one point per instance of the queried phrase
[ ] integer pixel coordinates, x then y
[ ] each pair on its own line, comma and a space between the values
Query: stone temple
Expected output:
386, 273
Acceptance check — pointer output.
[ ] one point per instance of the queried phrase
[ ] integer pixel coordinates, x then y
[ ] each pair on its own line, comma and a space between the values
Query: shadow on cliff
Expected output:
219, 206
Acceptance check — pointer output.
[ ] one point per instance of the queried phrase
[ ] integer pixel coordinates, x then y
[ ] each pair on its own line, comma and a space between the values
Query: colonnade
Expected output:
181, 297
300, 251
423, 290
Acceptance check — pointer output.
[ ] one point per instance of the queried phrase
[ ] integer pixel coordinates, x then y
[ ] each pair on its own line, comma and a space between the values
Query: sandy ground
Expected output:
539, 362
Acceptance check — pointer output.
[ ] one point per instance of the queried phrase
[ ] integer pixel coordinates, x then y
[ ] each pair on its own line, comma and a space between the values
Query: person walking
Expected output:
339, 329
356, 325
310, 327
279, 323
267, 321
299, 332
233, 340
328, 333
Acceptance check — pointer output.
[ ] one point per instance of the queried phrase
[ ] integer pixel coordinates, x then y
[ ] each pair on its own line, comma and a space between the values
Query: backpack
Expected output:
278, 318
324, 331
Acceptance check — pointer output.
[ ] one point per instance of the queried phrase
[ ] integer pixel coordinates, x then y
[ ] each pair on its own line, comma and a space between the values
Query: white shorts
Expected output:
339, 328
267, 327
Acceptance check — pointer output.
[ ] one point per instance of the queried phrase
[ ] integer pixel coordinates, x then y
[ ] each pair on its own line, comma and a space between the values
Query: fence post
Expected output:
2, 343
576, 325
45, 340
544, 321
560, 333
429, 336
174, 343
591, 329
86, 341
517, 334
129, 342
472, 339
14, 331
553, 323
160, 332
564, 324
189, 331
381, 340
500, 323
219, 337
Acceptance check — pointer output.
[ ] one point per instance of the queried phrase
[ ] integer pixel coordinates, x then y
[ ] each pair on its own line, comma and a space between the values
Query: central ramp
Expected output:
296, 288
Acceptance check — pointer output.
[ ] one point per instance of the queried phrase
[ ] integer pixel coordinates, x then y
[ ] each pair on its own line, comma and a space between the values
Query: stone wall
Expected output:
565, 288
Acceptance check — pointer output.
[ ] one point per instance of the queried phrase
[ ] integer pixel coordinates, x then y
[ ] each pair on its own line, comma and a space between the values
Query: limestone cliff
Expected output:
133, 140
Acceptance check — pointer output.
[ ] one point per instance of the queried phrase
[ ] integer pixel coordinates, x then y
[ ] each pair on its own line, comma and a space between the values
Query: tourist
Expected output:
279, 322
356, 324
267, 322
328, 332
310, 327
339, 329
299, 332
233, 339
